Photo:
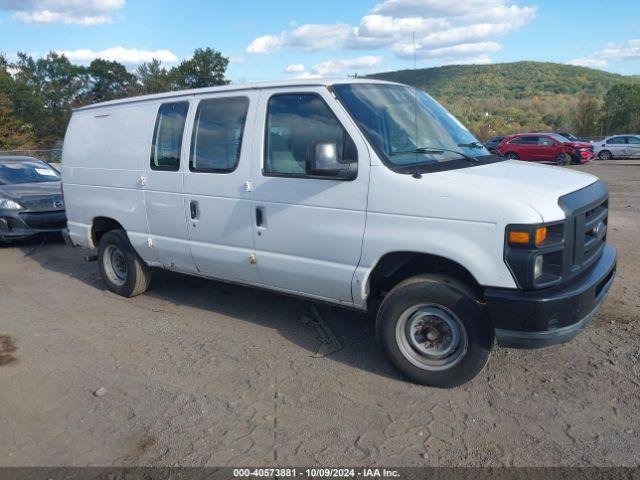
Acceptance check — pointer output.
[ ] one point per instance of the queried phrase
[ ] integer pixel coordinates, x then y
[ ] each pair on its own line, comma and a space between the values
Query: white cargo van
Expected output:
359, 193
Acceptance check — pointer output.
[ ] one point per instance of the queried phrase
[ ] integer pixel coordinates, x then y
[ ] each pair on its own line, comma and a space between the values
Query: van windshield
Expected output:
408, 128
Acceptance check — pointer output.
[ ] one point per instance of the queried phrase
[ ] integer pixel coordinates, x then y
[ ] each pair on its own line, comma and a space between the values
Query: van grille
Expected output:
587, 222
591, 230
587, 212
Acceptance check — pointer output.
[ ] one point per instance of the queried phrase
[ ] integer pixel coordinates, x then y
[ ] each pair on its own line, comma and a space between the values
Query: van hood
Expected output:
539, 186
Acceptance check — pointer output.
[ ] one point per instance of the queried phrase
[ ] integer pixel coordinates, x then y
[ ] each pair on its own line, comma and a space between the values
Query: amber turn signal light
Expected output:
541, 235
519, 238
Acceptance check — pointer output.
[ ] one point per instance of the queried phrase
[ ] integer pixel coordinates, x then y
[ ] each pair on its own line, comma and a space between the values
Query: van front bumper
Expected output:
535, 319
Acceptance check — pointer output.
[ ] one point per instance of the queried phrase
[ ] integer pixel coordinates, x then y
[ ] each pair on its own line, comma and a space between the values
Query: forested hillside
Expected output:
511, 97
38, 94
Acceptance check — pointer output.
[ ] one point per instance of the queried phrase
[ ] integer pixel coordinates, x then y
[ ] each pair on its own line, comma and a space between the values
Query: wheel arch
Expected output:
101, 225
397, 266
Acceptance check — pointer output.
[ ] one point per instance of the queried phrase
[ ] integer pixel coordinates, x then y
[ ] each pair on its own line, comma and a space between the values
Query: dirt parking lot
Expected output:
198, 372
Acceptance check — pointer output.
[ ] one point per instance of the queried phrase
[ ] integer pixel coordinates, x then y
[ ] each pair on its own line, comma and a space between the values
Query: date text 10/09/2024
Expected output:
316, 472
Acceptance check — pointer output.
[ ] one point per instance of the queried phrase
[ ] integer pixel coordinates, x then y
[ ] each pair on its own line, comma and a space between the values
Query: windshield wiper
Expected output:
437, 151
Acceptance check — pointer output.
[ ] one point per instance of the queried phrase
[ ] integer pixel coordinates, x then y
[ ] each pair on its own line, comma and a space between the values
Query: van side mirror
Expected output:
324, 161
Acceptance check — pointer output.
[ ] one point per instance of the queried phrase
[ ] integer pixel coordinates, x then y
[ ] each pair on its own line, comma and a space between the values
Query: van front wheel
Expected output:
122, 269
434, 332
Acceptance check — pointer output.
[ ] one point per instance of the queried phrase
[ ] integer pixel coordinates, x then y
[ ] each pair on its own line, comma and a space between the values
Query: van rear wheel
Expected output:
122, 269
434, 331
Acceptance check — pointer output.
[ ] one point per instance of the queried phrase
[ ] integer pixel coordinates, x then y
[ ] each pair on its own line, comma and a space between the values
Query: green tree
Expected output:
43, 92
153, 77
13, 133
622, 108
586, 115
109, 80
206, 68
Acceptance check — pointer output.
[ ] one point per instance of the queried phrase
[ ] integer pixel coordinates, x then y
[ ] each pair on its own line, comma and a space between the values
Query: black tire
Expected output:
437, 293
563, 159
122, 269
512, 156
605, 155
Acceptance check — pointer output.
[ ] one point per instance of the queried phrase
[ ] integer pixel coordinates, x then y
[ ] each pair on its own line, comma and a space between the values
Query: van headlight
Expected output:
7, 204
534, 253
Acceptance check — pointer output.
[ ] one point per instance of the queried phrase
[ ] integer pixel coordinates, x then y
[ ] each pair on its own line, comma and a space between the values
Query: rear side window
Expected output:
217, 134
525, 141
295, 124
167, 136
633, 140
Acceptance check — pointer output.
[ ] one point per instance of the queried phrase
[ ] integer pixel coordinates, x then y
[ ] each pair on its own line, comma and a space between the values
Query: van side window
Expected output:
295, 124
217, 134
167, 136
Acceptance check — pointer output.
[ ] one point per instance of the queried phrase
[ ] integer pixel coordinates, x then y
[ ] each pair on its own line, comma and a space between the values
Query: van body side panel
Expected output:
221, 234
165, 215
430, 215
311, 235
103, 158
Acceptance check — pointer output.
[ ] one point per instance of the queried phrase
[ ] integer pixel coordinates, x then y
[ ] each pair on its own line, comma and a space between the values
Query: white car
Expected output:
364, 194
618, 146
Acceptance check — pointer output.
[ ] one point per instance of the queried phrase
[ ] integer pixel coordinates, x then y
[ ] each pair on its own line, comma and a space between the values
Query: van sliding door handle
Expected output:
193, 208
259, 215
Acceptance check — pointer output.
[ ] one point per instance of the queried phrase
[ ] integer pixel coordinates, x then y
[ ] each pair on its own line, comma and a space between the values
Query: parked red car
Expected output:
545, 147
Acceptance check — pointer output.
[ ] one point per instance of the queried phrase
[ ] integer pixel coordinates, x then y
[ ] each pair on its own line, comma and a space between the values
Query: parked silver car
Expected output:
618, 146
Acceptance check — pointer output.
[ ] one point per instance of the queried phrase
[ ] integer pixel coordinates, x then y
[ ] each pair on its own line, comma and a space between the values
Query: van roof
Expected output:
233, 88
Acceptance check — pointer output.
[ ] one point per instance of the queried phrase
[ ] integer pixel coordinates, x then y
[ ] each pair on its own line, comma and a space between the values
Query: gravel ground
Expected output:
197, 372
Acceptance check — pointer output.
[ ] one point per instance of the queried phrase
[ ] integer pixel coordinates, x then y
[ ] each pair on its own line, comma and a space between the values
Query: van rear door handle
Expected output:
193, 208
259, 217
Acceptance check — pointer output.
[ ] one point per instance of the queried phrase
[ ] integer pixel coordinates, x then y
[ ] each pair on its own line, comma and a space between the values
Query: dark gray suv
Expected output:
31, 199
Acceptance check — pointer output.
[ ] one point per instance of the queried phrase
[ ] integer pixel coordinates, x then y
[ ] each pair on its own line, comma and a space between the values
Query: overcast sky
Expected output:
269, 39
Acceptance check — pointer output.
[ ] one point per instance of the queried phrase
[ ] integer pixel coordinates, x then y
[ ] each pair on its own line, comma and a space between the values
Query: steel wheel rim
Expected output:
115, 265
431, 337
